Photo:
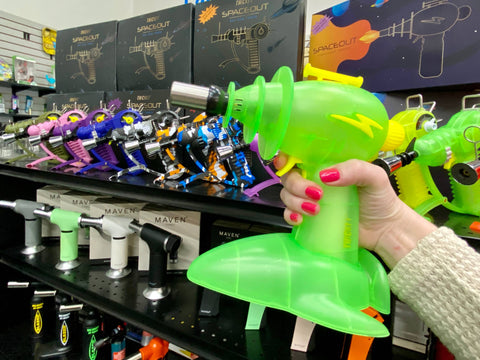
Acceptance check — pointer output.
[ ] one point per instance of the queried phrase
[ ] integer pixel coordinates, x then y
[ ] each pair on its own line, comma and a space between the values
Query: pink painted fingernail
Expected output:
294, 217
310, 208
329, 175
313, 193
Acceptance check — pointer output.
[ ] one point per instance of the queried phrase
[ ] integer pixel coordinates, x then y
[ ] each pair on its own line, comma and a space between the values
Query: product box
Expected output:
50, 195
148, 102
155, 49
79, 201
99, 242
85, 58
226, 230
184, 223
398, 45
89, 101
23, 70
240, 40
5, 70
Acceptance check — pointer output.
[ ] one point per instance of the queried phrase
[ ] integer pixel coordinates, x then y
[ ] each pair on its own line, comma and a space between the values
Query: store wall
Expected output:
60, 14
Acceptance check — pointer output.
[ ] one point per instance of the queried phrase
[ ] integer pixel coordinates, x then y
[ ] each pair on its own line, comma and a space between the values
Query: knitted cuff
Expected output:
439, 280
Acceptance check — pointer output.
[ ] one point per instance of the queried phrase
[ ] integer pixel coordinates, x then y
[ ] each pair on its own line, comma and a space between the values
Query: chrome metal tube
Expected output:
135, 226
86, 221
7, 204
42, 213
189, 95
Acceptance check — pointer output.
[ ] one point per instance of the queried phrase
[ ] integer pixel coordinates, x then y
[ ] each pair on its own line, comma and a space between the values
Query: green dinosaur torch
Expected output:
455, 146
417, 121
317, 272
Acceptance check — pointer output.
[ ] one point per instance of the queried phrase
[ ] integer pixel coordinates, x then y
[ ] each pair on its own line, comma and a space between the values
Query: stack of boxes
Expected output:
149, 101
85, 58
240, 40
155, 49
213, 42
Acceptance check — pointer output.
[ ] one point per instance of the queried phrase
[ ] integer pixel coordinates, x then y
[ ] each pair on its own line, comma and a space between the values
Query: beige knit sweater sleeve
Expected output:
440, 281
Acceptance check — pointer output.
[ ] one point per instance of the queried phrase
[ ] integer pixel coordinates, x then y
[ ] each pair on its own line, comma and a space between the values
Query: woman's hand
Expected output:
386, 224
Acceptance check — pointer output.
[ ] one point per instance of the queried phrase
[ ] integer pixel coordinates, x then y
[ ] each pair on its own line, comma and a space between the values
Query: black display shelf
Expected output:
17, 116
205, 197
16, 87
459, 223
4, 115
174, 318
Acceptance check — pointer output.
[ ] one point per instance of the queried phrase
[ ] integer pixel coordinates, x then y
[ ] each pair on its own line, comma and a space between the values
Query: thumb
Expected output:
280, 160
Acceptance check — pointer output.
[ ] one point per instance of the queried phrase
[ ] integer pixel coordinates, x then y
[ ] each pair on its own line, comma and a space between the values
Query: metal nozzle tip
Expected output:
42, 213
189, 95
135, 226
7, 204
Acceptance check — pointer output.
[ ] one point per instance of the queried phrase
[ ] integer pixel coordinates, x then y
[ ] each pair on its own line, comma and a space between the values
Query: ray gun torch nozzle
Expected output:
7, 139
15, 131
434, 150
211, 99
58, 140
395, 162
37, 139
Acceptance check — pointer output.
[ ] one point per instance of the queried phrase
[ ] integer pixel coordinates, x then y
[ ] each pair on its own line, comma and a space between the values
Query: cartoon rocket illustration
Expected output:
428, 26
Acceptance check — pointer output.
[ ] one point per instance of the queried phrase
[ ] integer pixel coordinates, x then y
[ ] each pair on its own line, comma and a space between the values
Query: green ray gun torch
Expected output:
317, 271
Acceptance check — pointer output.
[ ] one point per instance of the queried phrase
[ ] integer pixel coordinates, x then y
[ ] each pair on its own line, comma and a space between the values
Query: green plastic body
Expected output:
412, 185
432, 151
317, 271
18, 128
68, 222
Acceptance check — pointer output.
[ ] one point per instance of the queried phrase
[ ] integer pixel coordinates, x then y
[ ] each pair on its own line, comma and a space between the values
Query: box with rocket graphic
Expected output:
85, 58
242, 39
155, 49
398, 45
